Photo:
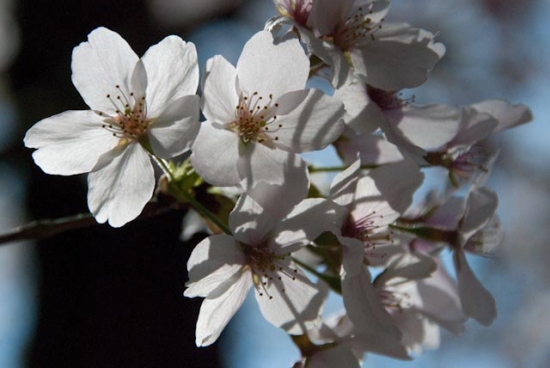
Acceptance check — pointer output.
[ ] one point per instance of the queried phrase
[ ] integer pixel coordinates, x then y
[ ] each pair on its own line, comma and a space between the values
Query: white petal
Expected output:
373, 324
362, 114
390, 64
175, 129
172, 71
215, 155
69, 143
428, 126
216, 312
312, 125
326, 15
373, 149
387, 191
121, 185
307, 221
272, 68
477, 302
219, 91
250, 223
276, 179
338, 356
213, 261
343, 186
480, 208
448, 215
101, 64
442, 301
340, 70
294, 304
508, 115
474, 126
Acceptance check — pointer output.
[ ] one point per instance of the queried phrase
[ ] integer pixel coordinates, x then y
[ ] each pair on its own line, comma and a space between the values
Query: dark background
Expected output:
107, 297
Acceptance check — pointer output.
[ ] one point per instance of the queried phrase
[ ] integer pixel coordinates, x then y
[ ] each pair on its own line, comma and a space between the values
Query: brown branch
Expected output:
42, 229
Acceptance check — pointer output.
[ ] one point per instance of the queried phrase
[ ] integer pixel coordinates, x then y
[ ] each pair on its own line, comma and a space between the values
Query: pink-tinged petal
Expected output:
309, 219
428, 127
213, 261
272, 68
477, 302
69, 143
120, 185
480, 208
508, 115
362, 114
173, 72
276, 179
218, 309
101, 64
215, 155
175, 129
291, 302
338, 356
344, 184
219, 91
312, 125
399, 57
373, 149
250, 223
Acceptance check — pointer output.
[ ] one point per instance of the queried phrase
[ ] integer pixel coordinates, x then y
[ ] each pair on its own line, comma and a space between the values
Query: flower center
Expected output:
267, 268
255, 119
130, 121
368, 230
357, 27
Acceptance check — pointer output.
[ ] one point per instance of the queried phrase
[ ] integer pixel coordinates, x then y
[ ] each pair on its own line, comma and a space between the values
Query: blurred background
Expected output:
102, 297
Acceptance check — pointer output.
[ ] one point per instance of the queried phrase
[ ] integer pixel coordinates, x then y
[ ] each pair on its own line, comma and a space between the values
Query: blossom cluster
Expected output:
272, 229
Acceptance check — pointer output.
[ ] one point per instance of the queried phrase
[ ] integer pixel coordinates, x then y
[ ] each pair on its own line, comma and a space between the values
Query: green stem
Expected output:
190, 199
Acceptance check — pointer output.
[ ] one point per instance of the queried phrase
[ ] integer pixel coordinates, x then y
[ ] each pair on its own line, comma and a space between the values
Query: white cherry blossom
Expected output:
222, 268
137, 107
259, 117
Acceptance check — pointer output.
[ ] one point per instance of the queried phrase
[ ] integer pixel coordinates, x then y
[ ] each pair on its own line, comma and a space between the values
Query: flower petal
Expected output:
268, 68
220, 96
508, 115
101, 64
173, 72
175, 129
428, 127
215, 155
250, 223
312, 125
216, 312
399, 57
121, 185
373, 149
274, 178
307, 221
213, 261
293, 302
69, 143
344, 184
337, 356
477, 302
